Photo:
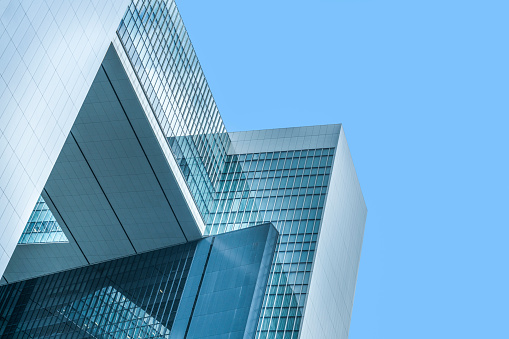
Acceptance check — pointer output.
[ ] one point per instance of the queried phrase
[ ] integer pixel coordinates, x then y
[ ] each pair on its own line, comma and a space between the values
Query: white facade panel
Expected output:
51, 51
332, 288
284, 139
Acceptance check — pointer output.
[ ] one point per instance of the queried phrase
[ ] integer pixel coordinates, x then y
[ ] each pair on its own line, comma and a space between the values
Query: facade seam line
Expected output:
144, 153
61, 217
104, 193
199, 288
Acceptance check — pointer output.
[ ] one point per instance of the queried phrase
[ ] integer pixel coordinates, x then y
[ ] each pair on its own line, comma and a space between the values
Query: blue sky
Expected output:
422, 90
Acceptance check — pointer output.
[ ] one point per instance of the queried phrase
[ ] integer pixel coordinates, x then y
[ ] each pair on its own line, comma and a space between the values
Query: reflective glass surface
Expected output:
289, 190
160, 51
42, 226
114, 312
132, 297
212, 287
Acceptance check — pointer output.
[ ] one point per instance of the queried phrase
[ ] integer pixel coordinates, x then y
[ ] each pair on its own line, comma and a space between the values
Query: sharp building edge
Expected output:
128, 210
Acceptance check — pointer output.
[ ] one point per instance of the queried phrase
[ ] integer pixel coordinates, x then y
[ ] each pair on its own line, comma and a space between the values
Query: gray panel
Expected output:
113, 152
332, 288
34, 260
135, 208
153, 142
30, 261
73, 189
284, 139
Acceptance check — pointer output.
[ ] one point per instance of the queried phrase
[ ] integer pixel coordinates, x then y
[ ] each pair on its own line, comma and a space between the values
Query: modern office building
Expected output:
119, 179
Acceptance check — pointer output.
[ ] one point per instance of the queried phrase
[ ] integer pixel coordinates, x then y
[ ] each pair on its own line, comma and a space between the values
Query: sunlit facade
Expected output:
148, 170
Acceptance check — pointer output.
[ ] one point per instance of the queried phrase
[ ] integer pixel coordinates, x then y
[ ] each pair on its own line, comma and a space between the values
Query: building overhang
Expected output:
115, 189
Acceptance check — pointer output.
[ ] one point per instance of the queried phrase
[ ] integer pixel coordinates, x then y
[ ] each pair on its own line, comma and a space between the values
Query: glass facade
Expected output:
114, 312
114, 297
42, 227
285, 188
288, 189
160, 51
213, 286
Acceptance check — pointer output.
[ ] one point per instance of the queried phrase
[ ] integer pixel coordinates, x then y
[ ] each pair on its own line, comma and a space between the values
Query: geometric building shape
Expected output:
180, 291
116, 189
112, 183
298, 179
148, 166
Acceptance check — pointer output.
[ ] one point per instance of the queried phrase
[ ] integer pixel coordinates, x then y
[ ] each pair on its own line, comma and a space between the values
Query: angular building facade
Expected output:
143, 173
50, 55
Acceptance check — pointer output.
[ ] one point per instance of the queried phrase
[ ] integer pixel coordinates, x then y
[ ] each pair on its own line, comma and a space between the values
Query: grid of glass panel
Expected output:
160, 51
289, 190
132, 297
113, 311
42, 226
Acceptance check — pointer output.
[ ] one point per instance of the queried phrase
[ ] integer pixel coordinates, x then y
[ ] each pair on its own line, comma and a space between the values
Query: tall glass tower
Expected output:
148, 175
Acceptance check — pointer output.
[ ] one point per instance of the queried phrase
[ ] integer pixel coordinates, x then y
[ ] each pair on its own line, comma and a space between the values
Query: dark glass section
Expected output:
132, 297
210, 287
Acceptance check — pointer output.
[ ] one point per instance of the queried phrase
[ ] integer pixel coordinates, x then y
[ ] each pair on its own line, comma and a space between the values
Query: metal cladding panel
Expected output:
75, 193
50, 54
113, 152
153, 141
332, 288
36, 260
284, 139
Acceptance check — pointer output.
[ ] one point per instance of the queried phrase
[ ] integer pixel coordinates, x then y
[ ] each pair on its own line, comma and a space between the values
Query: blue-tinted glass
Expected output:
42, 227
134, 297
287, 189
114, 312
185, 290
164, 60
